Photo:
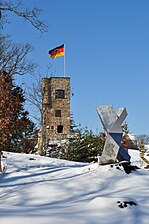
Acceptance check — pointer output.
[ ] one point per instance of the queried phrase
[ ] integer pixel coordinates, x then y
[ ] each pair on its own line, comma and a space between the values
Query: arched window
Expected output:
60, 129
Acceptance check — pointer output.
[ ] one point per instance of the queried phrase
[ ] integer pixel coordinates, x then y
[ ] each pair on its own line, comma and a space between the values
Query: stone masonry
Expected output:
56, 108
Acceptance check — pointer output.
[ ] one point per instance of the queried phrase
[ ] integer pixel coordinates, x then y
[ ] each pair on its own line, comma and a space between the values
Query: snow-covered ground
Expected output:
41, 190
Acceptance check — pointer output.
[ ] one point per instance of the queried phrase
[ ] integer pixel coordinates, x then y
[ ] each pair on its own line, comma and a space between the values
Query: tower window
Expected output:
59, 94
57, 113
60, 129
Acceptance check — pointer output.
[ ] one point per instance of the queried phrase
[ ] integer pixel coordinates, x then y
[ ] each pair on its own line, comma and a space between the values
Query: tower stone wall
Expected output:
55, 108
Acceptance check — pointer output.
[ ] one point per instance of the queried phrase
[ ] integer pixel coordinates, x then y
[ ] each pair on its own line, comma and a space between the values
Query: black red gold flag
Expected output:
57, 52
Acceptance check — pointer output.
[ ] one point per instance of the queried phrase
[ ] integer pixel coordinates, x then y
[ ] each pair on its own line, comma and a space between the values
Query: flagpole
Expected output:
64, 61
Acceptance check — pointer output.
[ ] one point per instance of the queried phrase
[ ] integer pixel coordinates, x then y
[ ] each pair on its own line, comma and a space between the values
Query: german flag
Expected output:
57, 52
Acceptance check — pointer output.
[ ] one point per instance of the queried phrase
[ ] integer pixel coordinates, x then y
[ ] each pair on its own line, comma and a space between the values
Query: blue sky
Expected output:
107, 55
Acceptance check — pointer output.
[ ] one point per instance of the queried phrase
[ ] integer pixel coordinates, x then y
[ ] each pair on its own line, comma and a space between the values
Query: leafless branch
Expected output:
34, 93
13, 57
29, 14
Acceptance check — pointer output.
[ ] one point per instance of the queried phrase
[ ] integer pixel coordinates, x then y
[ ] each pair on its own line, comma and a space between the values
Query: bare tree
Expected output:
32, 15
34, 94
34, 98
13, 57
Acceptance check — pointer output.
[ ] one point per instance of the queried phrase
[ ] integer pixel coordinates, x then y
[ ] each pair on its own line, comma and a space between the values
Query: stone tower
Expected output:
56, 108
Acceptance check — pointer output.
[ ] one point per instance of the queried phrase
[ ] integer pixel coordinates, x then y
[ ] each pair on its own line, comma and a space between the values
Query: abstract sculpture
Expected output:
112, 123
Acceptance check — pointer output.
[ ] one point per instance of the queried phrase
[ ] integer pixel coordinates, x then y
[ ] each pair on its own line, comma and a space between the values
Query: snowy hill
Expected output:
41, 190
